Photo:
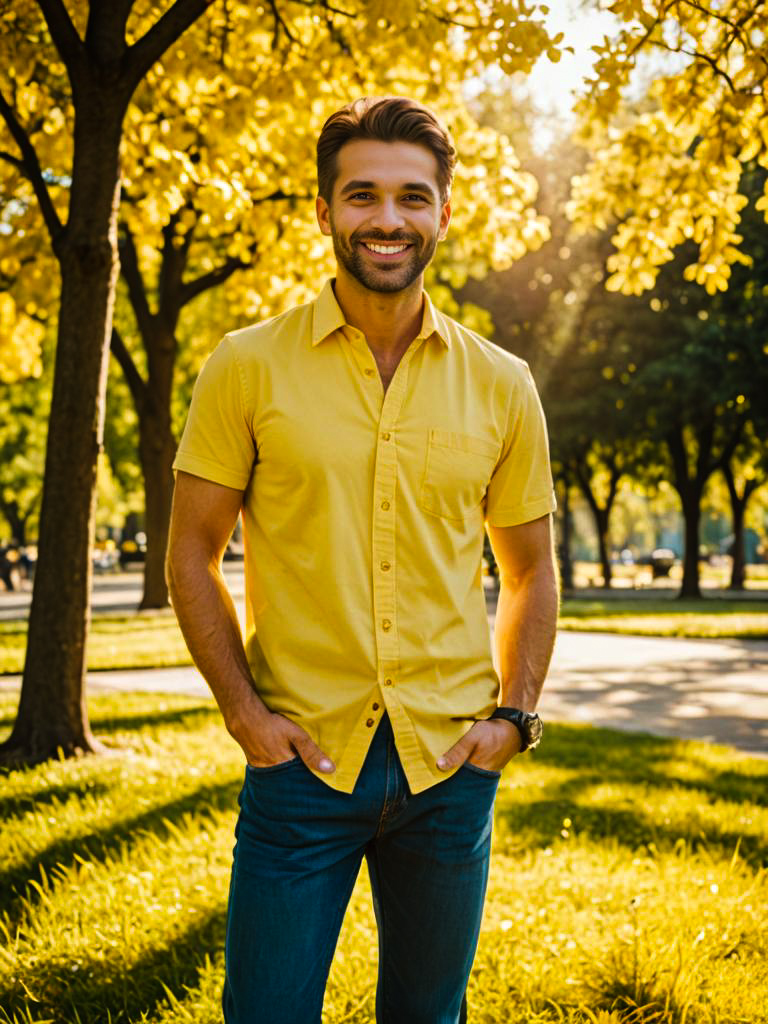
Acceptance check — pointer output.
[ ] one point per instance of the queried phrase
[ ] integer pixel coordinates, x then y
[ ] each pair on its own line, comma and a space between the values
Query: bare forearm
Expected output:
526, 621
208, 621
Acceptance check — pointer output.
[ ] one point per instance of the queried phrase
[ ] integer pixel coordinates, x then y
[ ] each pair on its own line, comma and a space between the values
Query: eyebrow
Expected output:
409, 186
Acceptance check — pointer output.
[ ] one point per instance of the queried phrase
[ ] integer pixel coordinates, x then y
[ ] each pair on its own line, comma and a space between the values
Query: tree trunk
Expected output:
690, 496
601, 523
566, 562
738, 510
157, 448
52, 714
16, 522
690, 487
600, 513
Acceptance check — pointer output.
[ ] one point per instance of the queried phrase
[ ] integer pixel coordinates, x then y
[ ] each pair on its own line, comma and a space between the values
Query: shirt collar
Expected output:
327, 317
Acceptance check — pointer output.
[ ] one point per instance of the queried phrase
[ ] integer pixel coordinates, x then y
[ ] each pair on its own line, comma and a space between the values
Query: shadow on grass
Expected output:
608, 758
188, 717
96, 990
15, 892
15, 807
107, 722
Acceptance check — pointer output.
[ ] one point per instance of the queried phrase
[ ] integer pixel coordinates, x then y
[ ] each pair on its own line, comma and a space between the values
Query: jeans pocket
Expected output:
487, 772
252, 769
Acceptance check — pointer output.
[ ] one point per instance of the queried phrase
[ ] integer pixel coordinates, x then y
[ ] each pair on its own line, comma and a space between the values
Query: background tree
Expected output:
91, 60
670, 169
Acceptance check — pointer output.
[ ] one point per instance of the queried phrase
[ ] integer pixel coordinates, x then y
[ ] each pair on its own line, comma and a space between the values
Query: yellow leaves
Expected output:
20, 341
709, 116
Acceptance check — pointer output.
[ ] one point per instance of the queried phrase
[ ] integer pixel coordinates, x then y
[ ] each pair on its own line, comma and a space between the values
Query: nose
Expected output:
388, 216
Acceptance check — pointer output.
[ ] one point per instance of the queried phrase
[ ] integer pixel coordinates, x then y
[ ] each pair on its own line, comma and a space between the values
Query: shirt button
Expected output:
387, 682
369, 723
369, 372
375, 707
386, 624
386, 435
385, 505
385, 566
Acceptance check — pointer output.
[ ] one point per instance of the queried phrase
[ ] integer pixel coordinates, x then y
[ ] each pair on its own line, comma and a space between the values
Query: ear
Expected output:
445, 219
323, 211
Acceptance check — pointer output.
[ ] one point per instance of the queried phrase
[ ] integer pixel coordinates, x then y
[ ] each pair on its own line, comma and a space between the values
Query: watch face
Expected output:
534, 729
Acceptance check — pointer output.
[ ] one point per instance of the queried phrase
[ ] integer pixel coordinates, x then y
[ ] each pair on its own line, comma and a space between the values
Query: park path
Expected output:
714, 690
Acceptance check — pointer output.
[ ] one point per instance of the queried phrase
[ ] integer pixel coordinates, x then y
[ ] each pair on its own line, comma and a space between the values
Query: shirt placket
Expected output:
384, 550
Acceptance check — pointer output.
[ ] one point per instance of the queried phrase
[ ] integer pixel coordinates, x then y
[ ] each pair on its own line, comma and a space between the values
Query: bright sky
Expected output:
552, 85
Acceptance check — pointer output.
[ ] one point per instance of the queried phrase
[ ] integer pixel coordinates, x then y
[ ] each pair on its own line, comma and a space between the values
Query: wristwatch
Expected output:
528, 724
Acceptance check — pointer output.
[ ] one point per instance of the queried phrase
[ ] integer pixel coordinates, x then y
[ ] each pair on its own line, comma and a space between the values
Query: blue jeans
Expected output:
299, 848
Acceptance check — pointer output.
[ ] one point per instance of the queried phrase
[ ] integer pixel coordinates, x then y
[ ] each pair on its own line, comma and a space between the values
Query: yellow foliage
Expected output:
20, 341
670, 171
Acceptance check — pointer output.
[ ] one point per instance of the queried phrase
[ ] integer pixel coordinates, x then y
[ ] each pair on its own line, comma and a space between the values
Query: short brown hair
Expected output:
388, 119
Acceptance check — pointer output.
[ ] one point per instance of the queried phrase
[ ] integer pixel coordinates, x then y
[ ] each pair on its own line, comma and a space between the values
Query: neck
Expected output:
389, 320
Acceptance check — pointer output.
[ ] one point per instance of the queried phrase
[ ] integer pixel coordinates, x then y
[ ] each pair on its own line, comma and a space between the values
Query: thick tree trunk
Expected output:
52, 715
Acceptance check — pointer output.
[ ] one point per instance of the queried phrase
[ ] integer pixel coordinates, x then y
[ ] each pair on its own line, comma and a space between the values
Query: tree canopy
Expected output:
667, 159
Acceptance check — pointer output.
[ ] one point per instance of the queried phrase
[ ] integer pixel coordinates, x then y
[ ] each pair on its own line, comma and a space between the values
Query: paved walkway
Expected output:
694, 689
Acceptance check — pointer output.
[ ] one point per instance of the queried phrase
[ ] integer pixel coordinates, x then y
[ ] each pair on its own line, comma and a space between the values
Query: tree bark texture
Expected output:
52, 716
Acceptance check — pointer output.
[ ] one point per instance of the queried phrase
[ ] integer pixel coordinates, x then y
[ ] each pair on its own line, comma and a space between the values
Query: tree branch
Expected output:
129, 268
191, 289
64, 35
30, 165
105, 30
279, 23
14, 161
134, 380
140, 57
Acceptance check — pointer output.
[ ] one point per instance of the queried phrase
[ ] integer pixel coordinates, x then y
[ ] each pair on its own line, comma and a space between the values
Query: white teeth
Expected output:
386, 250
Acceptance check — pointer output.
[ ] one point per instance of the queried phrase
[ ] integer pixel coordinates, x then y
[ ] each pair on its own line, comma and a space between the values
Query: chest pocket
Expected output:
456, 474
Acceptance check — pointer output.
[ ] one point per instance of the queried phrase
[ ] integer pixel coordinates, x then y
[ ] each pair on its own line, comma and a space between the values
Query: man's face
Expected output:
385, 216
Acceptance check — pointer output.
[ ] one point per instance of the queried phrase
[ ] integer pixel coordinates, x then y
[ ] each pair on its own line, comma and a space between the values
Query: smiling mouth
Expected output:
380, 249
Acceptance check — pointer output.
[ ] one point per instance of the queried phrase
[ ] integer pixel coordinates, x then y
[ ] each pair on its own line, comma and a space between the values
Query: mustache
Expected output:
379, 236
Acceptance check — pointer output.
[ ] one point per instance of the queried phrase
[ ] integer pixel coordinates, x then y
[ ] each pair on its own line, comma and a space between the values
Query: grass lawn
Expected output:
710, 617
628, 881
135, 640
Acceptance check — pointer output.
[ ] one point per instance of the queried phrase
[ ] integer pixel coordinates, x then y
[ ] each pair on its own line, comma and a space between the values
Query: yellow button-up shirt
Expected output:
363, 520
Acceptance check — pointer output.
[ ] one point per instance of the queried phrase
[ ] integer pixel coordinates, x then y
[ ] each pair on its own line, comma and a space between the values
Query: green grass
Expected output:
628, 881
643, 615
137, 640
153, 639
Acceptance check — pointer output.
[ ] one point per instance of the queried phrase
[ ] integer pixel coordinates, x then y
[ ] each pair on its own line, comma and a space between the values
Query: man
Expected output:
367, 439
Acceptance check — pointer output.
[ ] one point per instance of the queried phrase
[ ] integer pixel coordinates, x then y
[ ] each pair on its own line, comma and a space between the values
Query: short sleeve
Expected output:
520, 489
217, 443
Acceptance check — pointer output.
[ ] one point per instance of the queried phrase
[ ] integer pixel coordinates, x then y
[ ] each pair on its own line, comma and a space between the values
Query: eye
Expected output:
361, 196
415, 197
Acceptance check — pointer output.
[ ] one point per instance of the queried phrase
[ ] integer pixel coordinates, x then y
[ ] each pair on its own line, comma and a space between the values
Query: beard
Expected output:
382, 278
